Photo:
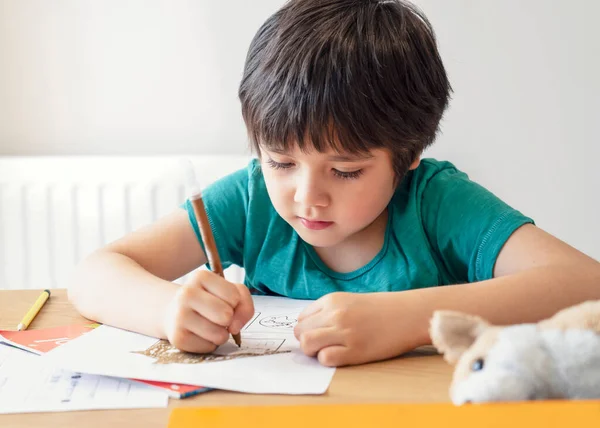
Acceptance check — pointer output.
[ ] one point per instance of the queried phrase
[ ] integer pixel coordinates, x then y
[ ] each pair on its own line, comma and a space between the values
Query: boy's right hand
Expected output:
205, 311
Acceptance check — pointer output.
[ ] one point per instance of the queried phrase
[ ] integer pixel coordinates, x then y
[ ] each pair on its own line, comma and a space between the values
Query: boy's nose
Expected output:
309, 193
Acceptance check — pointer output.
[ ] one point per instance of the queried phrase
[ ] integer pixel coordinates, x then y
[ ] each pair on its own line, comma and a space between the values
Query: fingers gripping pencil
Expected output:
208, 238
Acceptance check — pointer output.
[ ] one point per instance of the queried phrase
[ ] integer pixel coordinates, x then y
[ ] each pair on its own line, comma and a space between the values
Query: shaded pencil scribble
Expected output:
165, 353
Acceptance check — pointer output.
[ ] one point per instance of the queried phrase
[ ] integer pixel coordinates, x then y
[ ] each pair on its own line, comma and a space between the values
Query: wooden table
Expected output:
421, 376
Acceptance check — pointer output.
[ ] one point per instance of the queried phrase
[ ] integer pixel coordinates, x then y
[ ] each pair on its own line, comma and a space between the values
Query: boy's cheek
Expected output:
281, 198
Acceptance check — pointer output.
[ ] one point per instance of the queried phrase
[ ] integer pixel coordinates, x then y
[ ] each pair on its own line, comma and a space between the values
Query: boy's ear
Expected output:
415, 163
452, 333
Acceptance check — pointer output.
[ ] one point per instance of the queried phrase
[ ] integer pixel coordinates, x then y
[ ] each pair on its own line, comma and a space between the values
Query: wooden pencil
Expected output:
210, 246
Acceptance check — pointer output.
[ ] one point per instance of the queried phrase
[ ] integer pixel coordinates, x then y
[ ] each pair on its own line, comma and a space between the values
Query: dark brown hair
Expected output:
351, 75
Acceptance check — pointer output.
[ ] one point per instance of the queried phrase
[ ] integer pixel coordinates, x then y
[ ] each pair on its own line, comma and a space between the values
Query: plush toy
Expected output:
558, 358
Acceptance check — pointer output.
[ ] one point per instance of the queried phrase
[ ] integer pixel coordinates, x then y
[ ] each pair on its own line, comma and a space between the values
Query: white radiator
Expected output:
56, 210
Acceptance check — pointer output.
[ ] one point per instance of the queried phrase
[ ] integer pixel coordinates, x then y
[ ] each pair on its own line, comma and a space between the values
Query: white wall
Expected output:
526, 104
160, 77
124, 76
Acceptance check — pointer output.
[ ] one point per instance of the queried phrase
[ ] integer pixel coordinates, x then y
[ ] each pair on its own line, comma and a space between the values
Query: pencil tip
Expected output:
237, 338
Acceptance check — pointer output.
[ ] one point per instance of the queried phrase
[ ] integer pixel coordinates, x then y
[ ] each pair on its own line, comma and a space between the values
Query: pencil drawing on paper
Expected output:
165, 353
281, 321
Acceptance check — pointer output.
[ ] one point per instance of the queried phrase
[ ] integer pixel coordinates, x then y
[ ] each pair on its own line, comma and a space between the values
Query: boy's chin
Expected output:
319, 239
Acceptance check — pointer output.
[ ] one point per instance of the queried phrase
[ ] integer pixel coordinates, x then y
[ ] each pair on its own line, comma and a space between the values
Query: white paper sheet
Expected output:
29, 385
113, 352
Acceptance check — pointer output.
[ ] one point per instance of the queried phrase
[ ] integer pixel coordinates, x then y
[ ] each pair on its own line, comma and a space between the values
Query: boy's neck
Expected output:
357, 250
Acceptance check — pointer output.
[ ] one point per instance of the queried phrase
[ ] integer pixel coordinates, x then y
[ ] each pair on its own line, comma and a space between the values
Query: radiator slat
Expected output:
74, 209
24, 229
140, 205
65, 226
13, 225
3, 238
168, 199
114, 211
88, 214
35, 236
51, 237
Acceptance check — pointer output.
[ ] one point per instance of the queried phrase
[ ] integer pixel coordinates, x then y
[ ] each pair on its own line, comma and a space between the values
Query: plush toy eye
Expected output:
477, 365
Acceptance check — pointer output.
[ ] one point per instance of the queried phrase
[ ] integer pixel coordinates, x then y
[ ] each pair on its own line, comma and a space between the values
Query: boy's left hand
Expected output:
348, 328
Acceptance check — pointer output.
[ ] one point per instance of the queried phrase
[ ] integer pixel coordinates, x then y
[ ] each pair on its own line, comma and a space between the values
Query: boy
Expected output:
340, 98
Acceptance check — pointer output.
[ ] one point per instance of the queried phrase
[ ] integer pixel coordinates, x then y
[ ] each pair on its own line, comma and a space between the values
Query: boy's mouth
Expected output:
315, 224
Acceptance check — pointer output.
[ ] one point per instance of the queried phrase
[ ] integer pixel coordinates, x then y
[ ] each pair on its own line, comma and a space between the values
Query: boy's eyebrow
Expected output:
334, 158
346, 158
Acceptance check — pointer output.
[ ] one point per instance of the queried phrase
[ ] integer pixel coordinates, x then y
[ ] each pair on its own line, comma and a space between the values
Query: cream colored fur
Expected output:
528, 361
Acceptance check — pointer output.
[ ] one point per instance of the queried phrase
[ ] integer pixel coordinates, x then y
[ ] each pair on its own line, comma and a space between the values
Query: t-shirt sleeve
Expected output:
226, 204
466, 224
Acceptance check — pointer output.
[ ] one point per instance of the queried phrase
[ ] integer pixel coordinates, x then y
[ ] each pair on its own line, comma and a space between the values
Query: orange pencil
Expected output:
208, 238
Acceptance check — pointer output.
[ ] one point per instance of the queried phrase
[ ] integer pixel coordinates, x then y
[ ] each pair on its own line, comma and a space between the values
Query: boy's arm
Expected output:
128, 282
535, 276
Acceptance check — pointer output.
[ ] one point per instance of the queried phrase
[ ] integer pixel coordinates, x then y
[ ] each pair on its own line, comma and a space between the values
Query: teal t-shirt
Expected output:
442, 229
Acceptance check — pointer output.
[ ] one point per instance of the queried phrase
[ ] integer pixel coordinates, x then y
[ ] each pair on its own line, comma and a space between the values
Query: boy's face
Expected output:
328, 197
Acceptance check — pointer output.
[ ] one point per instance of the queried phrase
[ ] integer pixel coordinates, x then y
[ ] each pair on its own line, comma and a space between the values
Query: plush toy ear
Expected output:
452, 333
585, 315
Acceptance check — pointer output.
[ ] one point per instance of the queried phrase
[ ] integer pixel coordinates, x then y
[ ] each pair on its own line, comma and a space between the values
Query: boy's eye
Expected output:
279, 165
340, 174
348, 175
